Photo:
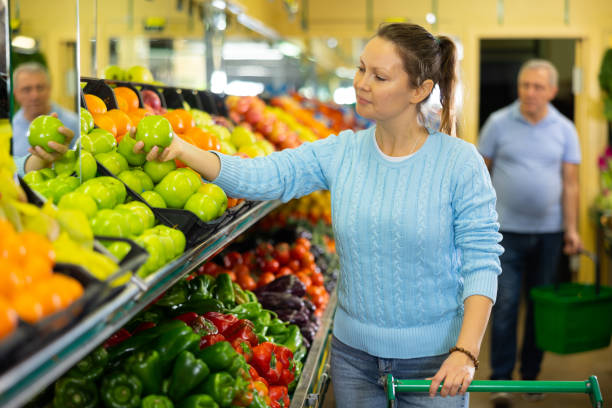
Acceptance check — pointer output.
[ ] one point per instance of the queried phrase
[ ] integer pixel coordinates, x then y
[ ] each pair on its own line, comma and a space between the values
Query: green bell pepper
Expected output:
224, 290
250, 310
220, 386
219, 356
200, 287
294, 338
187, 373
146, 365
171, 343
199, 306
92, 366
198, 401
176, 295
258, 402
241, 297
300, 353
277, 327
153, 314
297, 371
73, 392
239, 367
121, 390
251, 297
157, 401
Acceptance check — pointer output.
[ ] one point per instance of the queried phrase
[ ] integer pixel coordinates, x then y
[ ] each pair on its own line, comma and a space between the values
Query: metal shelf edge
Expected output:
25, 380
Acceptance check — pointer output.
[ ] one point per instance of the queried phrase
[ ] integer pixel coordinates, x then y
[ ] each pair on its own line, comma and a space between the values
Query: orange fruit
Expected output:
122, 105
122, 121
38, 244
142, 112
134, 118
8, 318
130, 97
204, 140
176, 121
28, 307
95, 105
187, 137
68, 288
106, 122
188, 121
50, 299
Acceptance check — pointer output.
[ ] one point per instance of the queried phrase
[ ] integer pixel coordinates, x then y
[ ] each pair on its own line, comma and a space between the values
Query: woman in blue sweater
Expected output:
414, 220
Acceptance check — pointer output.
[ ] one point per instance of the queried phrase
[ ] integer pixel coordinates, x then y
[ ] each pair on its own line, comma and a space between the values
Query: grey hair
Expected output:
30, 68
553, 74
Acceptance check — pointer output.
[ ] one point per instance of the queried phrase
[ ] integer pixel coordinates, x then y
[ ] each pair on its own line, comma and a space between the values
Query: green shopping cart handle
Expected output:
590, 386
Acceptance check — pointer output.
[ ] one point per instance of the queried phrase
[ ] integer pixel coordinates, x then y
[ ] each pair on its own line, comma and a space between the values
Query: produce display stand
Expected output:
31, 375
590, 387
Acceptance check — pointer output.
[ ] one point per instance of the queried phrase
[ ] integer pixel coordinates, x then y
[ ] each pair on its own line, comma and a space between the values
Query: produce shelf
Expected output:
315, 378
23, 381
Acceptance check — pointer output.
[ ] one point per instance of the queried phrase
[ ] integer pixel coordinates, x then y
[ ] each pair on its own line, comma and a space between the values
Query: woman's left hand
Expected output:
457, 372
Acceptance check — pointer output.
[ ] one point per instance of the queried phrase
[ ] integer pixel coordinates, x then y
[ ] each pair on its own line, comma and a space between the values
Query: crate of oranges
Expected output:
39, 298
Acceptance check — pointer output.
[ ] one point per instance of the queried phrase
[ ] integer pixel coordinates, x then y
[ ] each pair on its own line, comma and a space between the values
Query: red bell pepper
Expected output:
266, 363
203, 327
243, 347
285, 356
280, 395
119, 336
187, 317
222, 321
143, 326
242, 329
211, 339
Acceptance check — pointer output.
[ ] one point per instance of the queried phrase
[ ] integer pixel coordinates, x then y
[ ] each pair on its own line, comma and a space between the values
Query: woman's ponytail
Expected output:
447, 83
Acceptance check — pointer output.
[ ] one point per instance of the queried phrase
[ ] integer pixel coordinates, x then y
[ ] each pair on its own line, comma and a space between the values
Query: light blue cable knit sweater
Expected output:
415, 237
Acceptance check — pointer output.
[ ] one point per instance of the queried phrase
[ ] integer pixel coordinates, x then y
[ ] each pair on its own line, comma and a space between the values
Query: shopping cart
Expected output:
590, 386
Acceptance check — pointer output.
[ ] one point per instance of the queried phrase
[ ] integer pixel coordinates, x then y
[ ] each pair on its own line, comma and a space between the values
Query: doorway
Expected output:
500, 61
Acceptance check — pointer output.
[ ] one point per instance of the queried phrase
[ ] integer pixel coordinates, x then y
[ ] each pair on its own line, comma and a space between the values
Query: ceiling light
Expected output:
24, 43
431, 18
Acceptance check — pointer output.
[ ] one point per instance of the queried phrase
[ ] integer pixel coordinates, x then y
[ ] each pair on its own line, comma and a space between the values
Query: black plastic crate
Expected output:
100, 89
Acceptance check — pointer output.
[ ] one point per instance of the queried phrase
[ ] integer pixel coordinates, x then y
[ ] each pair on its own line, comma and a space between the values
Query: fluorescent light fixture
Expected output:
220, 21
431, 18
332, 43
348, 73
244, 88
288, 49
345, 95
250, 51
23, 42
218, 81
219, 4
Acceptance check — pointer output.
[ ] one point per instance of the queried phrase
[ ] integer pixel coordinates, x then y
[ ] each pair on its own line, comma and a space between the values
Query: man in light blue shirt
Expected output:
32, 90
532, 152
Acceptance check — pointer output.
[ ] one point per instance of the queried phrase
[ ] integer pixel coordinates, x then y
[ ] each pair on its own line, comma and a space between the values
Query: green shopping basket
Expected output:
573, 317
590, 386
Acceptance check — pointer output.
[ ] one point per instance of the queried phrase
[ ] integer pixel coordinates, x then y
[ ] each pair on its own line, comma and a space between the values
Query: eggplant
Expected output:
308, 332
310, 306
277, 301
285, 284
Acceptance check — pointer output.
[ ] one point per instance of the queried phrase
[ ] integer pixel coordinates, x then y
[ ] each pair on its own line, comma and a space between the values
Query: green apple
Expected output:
166, 241
44, 129
98, 141
158, 170
87, 122
242, 136
138, 73
132, 219
115, 186
110, 223
194, 178
34, 177
221, 132
65, 164
126, 149
202, 205
114, 72
62, 185
131, 180
156, 250
252, 150
103, 194
143, 212
145, 180
176, 188
154, 130
119, 249
227, 148
266, 146
48, 173
76, 200
178, 238
86, 166
217, 194
153, 199
113, 161
201, 118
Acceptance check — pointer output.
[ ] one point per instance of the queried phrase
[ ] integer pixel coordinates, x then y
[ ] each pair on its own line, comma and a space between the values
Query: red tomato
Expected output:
281, 253
271, 265
307, 259
265, 278
232, 259
298, 251
294, 265
263, 249
241, 270
284, 271
303, 242
304, 278
209, 268
317, 278
247, 282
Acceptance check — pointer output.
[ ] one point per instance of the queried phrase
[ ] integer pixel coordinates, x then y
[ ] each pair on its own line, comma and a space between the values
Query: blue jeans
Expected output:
358, 379
529, 260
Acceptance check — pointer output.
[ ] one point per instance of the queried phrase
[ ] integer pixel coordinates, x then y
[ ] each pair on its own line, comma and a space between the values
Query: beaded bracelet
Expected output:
467, 353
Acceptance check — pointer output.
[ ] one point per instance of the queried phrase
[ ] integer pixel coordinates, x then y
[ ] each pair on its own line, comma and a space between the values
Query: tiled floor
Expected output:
572, 367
